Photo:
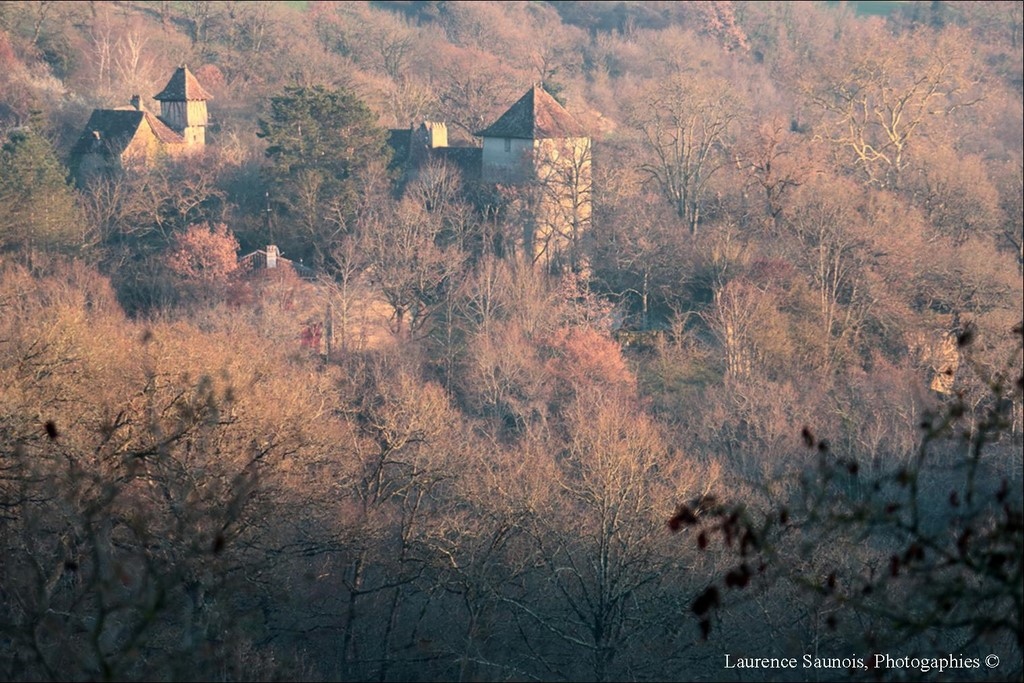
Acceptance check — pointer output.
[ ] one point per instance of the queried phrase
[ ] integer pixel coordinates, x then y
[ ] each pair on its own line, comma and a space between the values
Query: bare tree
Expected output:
132, 61
777, 163
408, 265
884, 92
564, 210
603, 586
684, 124
833, 250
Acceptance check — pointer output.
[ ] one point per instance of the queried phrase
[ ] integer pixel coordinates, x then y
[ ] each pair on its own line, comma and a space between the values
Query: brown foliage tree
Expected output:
204, 253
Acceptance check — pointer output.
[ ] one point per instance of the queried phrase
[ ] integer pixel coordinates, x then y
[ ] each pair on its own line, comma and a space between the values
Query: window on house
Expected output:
508, 145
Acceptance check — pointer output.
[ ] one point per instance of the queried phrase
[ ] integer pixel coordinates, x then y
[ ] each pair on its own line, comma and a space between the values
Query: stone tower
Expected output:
183, 107
538, 147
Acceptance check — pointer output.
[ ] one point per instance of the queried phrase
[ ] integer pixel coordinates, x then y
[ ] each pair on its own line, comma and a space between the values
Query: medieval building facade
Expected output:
540, 157
183, 108
133, 137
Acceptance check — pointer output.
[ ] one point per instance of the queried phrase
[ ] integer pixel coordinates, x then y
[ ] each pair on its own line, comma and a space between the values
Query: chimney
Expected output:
137, 102
436, 134
272, 254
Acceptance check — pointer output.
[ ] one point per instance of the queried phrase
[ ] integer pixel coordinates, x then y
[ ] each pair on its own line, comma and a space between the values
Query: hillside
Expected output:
510, 340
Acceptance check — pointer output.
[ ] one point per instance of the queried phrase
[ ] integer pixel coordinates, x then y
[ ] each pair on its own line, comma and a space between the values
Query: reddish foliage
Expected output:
583, 357
204, 252
706, 601
8, 60
311, 336
211, 77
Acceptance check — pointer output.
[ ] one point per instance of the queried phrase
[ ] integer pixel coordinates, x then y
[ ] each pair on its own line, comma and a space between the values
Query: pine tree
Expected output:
37, 204
320, 142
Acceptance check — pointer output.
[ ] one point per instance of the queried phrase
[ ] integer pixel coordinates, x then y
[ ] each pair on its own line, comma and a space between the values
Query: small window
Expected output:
508, 145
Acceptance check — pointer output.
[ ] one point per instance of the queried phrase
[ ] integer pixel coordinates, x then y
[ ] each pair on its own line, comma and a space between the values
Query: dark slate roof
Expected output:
117, 128
536, 116
466, 159
183, 86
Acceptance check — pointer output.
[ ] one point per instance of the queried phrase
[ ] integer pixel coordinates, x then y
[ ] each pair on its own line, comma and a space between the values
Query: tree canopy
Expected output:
37, 204
321, 142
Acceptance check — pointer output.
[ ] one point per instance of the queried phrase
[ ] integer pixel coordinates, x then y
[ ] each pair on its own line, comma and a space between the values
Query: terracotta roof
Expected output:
183, 86
161, 130
536, 116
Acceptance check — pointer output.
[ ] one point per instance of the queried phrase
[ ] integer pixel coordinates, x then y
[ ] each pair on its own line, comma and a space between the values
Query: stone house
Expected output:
538, 148
133, 137
533, 136
539, 156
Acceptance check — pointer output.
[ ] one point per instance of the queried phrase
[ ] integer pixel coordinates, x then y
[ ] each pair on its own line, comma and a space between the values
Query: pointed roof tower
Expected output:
183, 87
536, 116
183, 107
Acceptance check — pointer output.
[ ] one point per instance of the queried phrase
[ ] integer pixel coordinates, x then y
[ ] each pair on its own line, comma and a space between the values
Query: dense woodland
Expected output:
773, 408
